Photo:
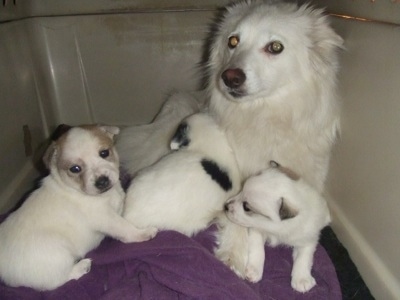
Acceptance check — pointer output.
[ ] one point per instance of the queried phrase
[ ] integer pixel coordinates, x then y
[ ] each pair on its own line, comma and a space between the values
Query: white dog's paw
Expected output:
253, 273
303, 284
234, 265
237, 266
136, 235
81, 268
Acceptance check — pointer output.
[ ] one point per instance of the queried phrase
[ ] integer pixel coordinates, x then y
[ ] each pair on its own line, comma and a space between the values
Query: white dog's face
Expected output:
84, 158
267, 50
265, 198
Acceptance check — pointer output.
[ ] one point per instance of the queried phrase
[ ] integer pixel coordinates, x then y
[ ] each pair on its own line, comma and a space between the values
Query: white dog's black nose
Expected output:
102, 183
233, 78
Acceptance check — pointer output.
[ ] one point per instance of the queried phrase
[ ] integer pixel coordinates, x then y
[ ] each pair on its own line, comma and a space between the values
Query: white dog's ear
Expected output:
285, 211
111, 131
288, 172
325, 41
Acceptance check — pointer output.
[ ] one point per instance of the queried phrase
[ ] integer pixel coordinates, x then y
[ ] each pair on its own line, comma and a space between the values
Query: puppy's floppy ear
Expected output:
288, 172
59, 131
111, 131
285, 211
50, 154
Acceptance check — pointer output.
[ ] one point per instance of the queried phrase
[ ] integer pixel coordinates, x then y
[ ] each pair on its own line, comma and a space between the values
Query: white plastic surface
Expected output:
114, 62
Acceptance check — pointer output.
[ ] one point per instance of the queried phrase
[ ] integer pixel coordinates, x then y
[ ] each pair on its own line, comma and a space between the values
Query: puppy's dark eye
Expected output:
246, 206
75, 169
233, 41
275, 47
104, 153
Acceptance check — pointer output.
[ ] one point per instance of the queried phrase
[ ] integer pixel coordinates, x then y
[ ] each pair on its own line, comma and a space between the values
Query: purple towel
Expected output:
173, 266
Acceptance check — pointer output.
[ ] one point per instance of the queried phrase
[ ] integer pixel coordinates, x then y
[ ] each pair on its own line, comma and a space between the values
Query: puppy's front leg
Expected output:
302, 281
255, 263
120, 229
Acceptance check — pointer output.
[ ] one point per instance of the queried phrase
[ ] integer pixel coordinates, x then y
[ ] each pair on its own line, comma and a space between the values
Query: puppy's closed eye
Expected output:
286, 212
246, 206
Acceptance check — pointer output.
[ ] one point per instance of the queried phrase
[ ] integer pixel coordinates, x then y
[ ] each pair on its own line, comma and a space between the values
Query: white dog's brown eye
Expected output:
275, 47
104, 153
75, 169
233, 41
246, 206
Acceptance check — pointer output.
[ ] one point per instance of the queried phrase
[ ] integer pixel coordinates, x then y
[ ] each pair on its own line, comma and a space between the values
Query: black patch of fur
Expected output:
59, 131
181, 136
217, 174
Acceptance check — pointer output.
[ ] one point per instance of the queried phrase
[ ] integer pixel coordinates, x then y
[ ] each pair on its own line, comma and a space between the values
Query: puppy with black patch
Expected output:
44, 242
186, 190
280, 208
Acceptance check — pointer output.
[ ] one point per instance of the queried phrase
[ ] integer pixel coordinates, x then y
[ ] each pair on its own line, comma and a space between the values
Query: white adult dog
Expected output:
44, 242
272, 78
186, 190
281, 209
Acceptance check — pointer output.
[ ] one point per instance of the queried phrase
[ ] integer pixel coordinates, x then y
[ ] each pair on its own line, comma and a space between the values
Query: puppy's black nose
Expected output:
102, 183
233, 78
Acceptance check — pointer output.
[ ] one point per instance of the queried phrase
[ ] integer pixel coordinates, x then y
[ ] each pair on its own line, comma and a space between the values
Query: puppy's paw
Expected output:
303, 284
149, 233
81, 268
253, 273
146, 234
136, 235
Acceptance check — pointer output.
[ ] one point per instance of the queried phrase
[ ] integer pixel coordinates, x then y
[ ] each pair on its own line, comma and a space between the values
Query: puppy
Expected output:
186, 189
43, 243
280, 208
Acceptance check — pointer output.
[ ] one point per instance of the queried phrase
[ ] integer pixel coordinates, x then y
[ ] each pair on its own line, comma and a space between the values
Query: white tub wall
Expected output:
19, 108
118, 69
113, 66
365, 169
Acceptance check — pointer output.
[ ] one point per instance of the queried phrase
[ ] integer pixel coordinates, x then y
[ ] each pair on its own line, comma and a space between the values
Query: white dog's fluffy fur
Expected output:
280, 210
43, 243
272, 77
186, 189
143, 145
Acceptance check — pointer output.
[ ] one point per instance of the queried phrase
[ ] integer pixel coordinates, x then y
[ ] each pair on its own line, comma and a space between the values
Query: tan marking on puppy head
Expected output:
85, 158
288, 172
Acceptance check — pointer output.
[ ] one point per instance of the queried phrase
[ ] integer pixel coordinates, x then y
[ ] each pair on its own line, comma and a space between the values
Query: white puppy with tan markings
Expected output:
280, 208
186, 190
44, 242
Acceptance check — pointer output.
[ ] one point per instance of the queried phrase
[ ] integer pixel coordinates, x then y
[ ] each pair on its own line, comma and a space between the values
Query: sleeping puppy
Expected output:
280, 208
186, 189
43, 243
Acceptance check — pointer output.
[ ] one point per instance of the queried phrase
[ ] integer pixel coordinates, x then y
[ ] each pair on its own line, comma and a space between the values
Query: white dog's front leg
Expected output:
255, 263
302, 280
232, 249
